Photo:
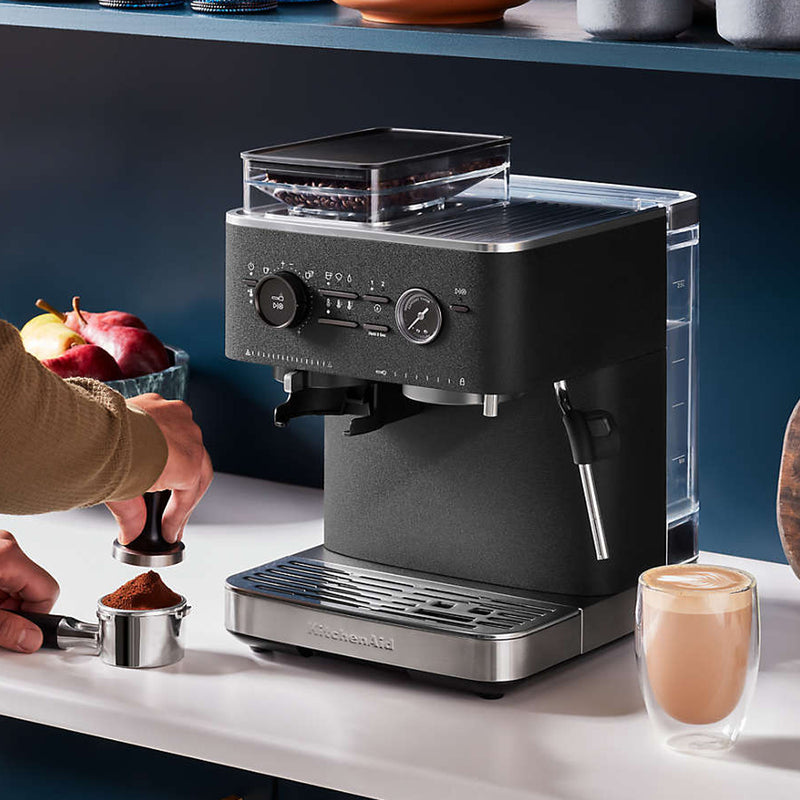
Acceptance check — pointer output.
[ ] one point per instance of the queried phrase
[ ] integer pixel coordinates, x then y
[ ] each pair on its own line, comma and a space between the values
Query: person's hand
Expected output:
188, 471
24, 586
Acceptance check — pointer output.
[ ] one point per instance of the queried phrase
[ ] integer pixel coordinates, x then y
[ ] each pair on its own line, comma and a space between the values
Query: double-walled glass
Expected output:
697, 649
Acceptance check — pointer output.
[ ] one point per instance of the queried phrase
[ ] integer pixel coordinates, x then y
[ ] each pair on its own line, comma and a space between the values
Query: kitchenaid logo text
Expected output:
341, 635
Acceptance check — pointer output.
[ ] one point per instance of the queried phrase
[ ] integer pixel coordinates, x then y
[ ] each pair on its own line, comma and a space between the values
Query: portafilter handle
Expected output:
65, 633
150, 548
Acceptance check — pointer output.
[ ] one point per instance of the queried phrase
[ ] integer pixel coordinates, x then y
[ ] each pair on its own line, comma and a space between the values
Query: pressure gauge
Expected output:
418, 316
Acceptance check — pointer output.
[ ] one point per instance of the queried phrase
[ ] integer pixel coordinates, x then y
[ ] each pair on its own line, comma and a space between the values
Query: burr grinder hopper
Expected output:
150, 548
137, 639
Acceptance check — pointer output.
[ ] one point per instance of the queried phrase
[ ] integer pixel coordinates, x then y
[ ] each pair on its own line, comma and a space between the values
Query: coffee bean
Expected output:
357, 204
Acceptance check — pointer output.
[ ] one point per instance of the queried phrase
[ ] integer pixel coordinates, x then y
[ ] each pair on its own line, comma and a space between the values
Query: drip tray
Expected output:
380, 595
390, 617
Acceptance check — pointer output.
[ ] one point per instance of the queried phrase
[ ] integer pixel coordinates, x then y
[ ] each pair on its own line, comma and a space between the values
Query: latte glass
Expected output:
697, 650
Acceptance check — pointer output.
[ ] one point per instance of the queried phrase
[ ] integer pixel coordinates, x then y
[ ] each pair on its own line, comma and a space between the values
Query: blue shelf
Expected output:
542, 31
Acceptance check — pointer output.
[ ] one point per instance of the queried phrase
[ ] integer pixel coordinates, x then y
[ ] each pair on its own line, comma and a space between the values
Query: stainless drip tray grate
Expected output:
397, 599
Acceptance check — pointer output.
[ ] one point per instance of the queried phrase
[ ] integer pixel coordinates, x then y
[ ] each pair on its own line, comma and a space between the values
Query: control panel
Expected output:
286, 299
408, 315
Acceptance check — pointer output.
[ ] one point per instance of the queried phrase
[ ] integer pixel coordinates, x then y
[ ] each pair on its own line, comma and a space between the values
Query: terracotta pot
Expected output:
431, 12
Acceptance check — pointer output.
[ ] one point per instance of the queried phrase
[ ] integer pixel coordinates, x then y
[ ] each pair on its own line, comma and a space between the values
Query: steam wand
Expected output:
586, 432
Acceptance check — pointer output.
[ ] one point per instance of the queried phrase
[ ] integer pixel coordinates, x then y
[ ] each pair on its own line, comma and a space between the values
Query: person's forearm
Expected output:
71, 443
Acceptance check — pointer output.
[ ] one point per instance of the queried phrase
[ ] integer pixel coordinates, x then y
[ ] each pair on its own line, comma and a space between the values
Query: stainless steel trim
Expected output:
471, 225
490, 402
167, 558
456, 656
593, 510
73, 634
292, 381
444, 397
587, 484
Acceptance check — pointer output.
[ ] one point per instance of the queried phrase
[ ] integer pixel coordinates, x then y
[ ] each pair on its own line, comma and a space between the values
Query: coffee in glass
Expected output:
697, 647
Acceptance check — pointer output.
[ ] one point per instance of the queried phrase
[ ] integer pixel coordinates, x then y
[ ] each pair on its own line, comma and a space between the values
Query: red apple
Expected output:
109, 319
137, 351
85, 361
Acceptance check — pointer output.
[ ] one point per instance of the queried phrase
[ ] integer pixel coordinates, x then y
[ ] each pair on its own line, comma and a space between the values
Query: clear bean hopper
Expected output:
376, 175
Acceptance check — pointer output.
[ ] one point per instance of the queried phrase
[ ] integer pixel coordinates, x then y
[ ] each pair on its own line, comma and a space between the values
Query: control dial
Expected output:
281, 300
418, 316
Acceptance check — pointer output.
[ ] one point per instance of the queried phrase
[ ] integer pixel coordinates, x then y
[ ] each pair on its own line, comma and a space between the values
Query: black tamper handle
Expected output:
151, 539
150, 548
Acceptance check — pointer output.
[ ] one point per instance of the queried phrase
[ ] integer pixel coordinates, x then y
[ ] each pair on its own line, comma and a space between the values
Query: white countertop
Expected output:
577, 732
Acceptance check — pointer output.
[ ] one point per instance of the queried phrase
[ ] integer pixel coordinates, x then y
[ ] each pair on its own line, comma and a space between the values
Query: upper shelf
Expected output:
543, 31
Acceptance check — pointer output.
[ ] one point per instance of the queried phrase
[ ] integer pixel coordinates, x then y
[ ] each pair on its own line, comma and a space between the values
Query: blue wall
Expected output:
120, 155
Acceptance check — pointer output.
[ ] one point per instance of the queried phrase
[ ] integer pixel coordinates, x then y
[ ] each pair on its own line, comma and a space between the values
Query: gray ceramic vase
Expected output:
760, 23
635, 20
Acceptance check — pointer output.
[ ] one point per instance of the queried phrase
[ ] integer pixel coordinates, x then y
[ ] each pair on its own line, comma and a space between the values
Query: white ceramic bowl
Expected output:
760, 23
635, 20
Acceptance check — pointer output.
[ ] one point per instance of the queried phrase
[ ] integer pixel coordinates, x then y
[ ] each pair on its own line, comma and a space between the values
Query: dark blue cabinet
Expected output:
40, 763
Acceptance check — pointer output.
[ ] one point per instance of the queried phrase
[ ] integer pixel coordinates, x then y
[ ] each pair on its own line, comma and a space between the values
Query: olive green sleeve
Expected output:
68, 443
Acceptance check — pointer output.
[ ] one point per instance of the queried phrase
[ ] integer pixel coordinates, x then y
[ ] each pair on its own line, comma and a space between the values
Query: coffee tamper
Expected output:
150, 548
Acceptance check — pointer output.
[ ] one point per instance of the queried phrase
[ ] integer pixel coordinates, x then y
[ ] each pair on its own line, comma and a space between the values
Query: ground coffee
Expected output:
144, 593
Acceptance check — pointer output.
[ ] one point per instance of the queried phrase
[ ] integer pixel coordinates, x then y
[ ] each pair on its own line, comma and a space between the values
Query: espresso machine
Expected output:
506, 367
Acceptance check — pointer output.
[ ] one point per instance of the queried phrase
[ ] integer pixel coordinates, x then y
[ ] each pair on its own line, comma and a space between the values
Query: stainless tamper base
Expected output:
167, 558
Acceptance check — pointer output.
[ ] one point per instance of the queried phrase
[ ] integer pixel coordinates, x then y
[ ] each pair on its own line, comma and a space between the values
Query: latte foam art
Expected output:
691, 578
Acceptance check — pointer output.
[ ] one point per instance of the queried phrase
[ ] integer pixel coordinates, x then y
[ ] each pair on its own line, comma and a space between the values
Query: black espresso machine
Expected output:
506, 366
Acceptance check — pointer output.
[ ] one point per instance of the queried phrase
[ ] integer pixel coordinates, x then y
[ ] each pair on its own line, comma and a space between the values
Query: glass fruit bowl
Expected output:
170, 383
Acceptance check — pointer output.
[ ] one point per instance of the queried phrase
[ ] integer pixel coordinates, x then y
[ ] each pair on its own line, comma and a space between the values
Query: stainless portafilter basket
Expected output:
138, 639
